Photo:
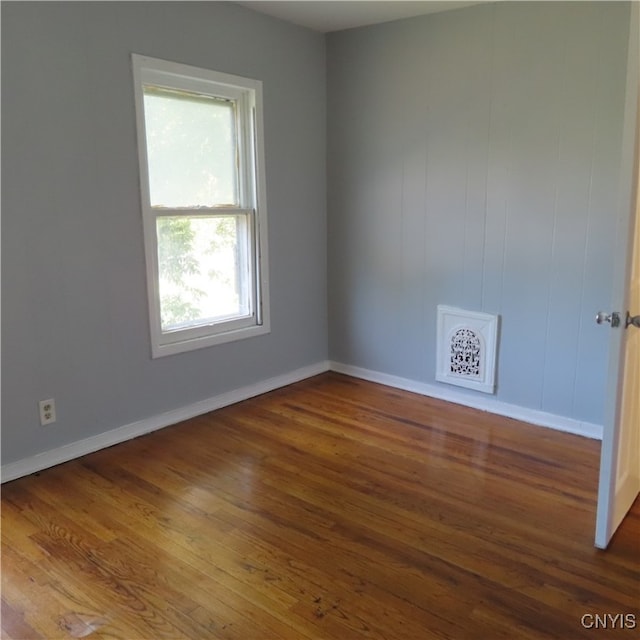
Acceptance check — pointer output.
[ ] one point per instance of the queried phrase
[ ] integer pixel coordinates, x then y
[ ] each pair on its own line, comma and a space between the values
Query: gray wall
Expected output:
74, 309
474, 160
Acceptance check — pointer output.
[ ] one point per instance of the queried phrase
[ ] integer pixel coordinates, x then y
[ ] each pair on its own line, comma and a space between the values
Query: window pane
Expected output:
202, 279
191, 147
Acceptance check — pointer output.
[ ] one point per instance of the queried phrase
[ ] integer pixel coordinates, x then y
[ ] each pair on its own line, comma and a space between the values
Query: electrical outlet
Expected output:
47, 411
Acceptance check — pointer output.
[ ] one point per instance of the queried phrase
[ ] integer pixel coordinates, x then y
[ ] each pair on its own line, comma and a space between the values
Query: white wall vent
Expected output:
466, 348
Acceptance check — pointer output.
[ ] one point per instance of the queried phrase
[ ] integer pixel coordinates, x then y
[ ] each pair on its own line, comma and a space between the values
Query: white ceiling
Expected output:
334, 15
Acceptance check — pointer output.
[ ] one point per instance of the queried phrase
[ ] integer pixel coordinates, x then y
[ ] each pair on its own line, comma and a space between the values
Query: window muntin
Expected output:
203, 204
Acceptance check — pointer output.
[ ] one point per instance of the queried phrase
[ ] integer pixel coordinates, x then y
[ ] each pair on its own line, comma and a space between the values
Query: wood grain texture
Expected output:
333, 508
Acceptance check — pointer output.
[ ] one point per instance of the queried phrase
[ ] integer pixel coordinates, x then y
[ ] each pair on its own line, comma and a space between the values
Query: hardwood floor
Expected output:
330, 509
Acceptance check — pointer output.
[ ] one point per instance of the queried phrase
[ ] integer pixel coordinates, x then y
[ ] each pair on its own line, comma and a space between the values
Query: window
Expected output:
203, 204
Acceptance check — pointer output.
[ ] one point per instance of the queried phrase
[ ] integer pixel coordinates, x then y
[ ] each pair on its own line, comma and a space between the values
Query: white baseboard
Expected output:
532, 416
80, 448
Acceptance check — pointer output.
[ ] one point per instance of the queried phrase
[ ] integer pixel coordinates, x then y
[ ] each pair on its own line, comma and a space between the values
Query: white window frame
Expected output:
247, 94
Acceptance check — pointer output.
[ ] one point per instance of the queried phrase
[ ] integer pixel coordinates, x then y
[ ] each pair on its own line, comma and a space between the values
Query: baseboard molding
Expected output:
80, 448
490, 404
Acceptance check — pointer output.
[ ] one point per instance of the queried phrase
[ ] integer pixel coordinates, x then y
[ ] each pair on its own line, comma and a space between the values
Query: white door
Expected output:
620, 457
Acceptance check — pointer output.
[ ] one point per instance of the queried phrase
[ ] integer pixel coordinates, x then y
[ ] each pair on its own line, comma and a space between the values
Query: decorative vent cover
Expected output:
466, 349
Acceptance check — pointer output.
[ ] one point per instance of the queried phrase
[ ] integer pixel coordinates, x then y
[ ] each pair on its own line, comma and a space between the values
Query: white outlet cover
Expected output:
47, 411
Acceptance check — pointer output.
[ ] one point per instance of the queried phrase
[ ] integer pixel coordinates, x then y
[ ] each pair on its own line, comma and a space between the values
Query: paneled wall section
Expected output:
474, 160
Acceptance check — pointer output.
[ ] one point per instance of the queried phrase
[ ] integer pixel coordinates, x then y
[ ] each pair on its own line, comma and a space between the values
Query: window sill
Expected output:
191, 344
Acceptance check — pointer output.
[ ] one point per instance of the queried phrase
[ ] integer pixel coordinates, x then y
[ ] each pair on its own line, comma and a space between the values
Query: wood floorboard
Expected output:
330, 509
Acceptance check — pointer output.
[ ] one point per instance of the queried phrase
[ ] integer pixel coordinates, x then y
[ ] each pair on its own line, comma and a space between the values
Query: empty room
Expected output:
320, 320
